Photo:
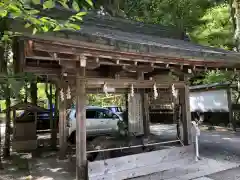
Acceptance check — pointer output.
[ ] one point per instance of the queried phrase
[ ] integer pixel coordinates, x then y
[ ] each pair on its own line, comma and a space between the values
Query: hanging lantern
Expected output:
61, 95
155, 92
174, 91
132, 91
68, 93
105, 88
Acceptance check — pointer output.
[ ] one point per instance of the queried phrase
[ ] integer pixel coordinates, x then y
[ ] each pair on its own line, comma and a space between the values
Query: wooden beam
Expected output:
68, 64
130, 56
81, 153
126, 83
139, 68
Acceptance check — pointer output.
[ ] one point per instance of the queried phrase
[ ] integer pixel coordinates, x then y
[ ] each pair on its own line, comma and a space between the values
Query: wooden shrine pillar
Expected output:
62, 122
185, 113
81, 155
145, 113
145, 108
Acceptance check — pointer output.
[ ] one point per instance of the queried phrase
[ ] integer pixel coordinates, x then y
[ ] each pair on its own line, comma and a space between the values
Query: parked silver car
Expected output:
99, 121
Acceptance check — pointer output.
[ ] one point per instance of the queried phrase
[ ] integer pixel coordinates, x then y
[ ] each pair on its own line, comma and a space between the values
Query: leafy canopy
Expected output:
31, 13
216, 28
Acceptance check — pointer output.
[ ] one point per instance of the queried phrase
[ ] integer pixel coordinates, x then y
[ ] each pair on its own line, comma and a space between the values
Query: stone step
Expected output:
171, 164
203, 178
139, 161
207, 167
179, 170
189, 170
142, 170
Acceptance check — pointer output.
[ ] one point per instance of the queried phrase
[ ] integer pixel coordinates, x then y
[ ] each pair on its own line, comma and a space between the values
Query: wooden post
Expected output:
145, 108
126, 110
62, 124
231, 119
186, 114
126, 101
81, 155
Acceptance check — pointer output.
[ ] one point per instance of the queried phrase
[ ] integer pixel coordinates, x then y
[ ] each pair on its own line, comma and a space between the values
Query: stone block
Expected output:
28, 145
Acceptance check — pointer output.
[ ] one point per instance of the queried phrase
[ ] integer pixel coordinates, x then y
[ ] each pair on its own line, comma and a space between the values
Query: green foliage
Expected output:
211, 77
216, 28
106, 100
30, 12
183, 14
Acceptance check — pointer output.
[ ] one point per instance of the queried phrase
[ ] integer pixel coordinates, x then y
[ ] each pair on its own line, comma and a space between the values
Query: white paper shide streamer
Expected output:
174, 91
68, 93
61, 95
105, 88
155, 92
132, 91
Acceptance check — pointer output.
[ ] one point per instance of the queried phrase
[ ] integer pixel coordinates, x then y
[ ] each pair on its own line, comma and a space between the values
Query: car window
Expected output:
119, 109
104, 114
99, 114
91, 114
115, 109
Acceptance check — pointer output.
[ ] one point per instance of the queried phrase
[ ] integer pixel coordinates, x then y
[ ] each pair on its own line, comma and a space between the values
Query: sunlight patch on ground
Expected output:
26, 178
227, 138
231, 139
215, 135
44, 178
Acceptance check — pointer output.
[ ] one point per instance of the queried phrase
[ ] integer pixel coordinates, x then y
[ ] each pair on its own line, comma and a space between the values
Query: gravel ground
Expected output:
218, 145
221, 144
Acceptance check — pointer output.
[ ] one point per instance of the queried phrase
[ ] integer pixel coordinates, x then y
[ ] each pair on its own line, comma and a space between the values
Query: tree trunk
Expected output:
7, 91
26, 92
1, 62
236, 5
6, 152
56, 113
33, 87
1, 165
232, 12
52, 120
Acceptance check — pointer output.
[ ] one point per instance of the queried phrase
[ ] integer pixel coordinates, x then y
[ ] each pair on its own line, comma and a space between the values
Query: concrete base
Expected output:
173, 164
27, 145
